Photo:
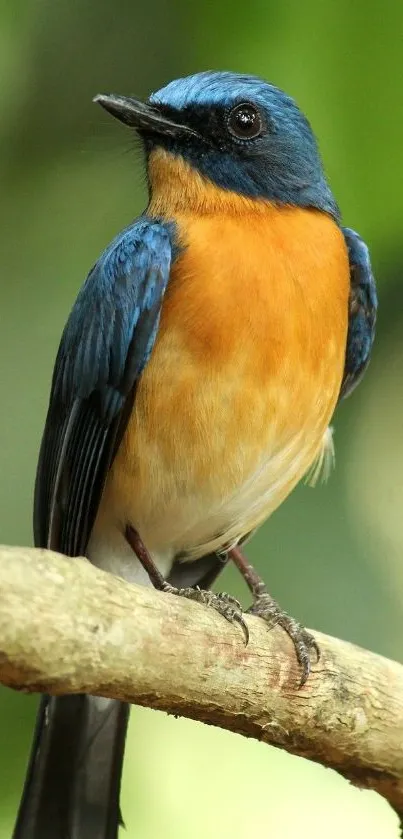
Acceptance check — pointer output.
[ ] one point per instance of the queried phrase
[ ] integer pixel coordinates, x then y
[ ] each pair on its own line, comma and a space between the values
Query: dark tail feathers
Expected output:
73, 781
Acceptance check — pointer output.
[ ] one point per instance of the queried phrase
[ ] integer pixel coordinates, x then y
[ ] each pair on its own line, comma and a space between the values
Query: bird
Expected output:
194, 387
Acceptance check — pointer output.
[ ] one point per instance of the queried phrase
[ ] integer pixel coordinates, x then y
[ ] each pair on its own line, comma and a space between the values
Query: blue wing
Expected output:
105, 345
363, 305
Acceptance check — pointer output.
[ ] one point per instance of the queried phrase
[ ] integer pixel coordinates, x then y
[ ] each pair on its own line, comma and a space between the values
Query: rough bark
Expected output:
66, 627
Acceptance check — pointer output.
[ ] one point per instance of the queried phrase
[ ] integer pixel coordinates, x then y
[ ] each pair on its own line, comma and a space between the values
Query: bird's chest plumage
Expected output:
233, 405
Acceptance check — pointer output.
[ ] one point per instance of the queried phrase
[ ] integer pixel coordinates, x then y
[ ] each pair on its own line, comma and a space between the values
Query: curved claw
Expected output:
304, 643
316, 648
244, 626
306, 669
230, 608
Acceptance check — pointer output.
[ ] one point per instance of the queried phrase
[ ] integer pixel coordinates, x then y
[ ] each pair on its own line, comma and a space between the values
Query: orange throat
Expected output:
177, 187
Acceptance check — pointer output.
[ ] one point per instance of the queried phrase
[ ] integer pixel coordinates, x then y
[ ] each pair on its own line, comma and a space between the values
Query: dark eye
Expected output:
244, 122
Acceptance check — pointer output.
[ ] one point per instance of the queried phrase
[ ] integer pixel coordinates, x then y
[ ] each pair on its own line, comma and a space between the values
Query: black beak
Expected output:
141, 116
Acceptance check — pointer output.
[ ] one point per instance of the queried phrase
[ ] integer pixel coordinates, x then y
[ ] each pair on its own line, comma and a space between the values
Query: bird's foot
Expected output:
304, 643
223, 603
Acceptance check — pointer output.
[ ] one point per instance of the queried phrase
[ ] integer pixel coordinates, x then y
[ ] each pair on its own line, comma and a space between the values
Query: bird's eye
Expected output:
244, 122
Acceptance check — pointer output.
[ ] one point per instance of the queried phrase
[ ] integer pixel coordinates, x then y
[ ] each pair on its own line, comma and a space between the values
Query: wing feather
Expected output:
105, 345
363, 305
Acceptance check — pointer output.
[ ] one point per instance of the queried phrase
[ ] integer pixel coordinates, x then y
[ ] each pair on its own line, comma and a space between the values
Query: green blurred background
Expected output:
70, 179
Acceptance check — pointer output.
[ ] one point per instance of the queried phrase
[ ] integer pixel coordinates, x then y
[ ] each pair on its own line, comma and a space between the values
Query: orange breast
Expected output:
243, 380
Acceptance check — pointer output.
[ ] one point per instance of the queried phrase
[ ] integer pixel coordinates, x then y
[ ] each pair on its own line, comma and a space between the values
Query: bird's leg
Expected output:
265, 607
143, 555
223, 603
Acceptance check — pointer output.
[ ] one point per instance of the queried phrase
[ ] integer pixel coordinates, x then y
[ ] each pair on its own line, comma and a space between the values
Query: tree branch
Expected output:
66, 627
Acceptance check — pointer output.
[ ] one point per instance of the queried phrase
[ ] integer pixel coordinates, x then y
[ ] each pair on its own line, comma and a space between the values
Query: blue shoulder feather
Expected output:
111, 330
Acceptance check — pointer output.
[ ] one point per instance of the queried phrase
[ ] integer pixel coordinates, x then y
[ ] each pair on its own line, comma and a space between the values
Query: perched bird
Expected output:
193, 388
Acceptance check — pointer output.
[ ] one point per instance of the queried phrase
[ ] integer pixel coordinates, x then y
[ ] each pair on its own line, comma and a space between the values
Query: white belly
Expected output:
188, 529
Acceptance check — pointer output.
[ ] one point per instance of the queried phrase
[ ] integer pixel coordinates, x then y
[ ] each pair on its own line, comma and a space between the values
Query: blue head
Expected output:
238, 131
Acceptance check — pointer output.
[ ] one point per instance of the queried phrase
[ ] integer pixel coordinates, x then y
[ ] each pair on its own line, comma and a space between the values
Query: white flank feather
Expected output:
324, 460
